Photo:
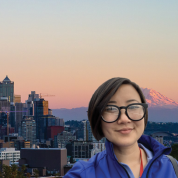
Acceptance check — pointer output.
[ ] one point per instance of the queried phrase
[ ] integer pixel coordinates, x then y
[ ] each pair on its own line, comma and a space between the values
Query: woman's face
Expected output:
124, 132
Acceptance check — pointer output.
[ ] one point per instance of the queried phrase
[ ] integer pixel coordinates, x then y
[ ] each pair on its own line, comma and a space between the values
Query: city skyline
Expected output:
69, 48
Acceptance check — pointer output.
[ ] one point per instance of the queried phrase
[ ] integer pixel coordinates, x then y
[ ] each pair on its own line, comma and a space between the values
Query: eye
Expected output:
134, 107
111, 109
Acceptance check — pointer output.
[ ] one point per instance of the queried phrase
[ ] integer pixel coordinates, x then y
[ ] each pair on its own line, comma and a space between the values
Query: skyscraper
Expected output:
41, 118
41, 107
17, 99
18, 117
7, 89
30, 102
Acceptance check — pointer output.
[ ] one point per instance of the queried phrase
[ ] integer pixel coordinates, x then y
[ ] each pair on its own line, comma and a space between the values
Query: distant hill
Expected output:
71, 114
158, 114
161, 109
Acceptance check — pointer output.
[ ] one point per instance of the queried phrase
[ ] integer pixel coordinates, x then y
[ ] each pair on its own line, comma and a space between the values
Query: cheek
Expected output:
141, 125
106, 128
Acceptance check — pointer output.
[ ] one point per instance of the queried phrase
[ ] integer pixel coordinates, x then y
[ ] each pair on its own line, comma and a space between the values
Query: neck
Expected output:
127, 154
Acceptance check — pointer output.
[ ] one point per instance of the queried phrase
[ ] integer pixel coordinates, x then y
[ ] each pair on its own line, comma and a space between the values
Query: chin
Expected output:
124, 142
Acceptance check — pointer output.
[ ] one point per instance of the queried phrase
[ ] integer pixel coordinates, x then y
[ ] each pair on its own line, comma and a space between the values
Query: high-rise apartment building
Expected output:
29, 130
89, 134
81, 131
84, 132
63, 138
7, 89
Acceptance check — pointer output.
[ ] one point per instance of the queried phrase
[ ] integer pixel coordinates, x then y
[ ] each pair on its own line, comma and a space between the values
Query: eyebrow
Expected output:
112, 102
128, 101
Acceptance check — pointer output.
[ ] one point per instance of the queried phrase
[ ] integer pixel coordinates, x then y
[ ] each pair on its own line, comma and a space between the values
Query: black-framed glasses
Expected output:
134, 111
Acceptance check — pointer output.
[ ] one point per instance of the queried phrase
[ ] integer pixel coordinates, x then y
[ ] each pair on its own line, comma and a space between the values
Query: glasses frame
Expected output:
145, 105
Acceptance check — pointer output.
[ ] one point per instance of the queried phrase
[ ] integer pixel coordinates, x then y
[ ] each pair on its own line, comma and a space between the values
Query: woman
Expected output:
118, 111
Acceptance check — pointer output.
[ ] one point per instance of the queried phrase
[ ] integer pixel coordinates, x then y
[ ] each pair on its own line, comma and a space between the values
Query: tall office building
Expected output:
30, 102
41, 118
81, 131
4, 104
12, 116
17, 99
7, 89
4, 107
33, 96
40, 107
89, 134
19, 113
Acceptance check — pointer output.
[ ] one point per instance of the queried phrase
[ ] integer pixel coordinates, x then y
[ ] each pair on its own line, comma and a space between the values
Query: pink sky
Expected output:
68, 50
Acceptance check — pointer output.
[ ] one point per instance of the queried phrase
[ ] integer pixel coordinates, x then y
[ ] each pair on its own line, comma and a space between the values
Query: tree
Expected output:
28, 175
57, 175
36, 173
174, 151
22, 172
1, 174
7, 171
14, 170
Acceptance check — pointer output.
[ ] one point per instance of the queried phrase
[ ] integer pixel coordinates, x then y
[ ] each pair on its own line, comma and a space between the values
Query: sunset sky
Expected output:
68, 48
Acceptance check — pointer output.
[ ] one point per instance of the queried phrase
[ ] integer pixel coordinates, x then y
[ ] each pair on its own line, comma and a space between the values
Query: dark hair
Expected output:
101, 98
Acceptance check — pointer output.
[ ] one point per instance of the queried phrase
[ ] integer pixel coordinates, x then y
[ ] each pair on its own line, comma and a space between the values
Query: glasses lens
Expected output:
110, 113
135, 111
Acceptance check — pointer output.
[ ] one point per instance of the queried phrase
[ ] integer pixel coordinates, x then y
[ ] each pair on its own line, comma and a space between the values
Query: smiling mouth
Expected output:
125, 131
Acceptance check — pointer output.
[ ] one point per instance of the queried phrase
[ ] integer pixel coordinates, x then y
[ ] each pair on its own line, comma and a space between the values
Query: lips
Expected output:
125, 130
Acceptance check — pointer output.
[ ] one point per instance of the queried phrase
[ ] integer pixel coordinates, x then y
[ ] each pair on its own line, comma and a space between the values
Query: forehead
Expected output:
124, 93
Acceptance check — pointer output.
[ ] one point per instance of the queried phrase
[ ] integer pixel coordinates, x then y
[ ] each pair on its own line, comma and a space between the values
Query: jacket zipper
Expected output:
151, 165
124, 169
120, 164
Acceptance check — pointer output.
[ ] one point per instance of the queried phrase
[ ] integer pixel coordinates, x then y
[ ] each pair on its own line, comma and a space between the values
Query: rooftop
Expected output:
6, 79
44, 148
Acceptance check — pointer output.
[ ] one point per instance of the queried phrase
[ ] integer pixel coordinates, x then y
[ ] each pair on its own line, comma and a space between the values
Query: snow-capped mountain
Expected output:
156, 99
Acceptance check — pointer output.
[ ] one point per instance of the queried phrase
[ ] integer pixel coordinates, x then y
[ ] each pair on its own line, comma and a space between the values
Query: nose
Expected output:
123, 117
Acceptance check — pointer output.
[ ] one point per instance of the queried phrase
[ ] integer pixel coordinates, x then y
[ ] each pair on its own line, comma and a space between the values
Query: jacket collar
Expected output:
150, 143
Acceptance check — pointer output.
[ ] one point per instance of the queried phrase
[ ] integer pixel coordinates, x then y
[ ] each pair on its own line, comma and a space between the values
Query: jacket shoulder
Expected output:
94, 161
75, 171
164, 157
165, 166
79, 168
